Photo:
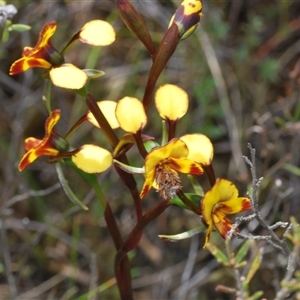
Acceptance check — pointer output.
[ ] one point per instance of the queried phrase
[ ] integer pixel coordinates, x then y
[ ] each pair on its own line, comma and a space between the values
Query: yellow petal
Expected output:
147, 184
209, 230
92, 159
222, 224
97, 33
131, 114
192, 7
25, 63
45, 35
68, 76
108, 108
235, 205
171, 102
200, 148
185, 166
174, 149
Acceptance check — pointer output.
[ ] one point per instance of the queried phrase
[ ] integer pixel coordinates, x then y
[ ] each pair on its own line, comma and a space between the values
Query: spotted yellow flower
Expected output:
221, 200
162, 165
89, 158
45, 55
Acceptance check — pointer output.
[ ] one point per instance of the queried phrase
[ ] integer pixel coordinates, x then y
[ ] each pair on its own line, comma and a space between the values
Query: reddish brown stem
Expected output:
140, 144
171, 129
166, 49
193, 207
210, 174
131, 241
103, 123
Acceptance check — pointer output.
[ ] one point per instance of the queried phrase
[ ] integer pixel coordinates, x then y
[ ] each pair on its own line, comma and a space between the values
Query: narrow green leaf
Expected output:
68, 191
218, 254
254, 266
182, 236
150, 144
292, 169
129, 169
196, 185
257, 295
20, 27
5, 35
92, 73
243, 251
82, 92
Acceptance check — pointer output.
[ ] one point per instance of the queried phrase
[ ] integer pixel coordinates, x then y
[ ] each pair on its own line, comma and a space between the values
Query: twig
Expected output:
31, 193
275, 240
293, 262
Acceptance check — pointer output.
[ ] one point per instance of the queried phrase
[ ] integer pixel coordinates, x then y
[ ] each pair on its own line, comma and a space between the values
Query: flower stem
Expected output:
140, 144
102, 121
188, 203
131, 241
166, 49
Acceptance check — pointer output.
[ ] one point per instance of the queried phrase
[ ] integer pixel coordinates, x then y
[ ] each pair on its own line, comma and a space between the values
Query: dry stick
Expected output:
275, 240
240, 292
293, 262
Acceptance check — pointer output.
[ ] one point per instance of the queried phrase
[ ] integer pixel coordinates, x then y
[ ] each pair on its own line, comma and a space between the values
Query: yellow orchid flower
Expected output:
89, 158
221, 200
162, 165
44, 55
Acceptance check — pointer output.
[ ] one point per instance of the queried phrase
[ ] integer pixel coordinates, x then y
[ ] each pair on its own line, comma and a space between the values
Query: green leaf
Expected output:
254, 266
218, 254
191, 196
196, 185
5, 34
83, 92
243, 251
256, 295
129, 169
20, 27
292, 169
92, 73
182, 236
68, 191
150, 144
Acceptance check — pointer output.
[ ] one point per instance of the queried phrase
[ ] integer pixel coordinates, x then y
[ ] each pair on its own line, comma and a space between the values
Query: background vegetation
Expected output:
241, 69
